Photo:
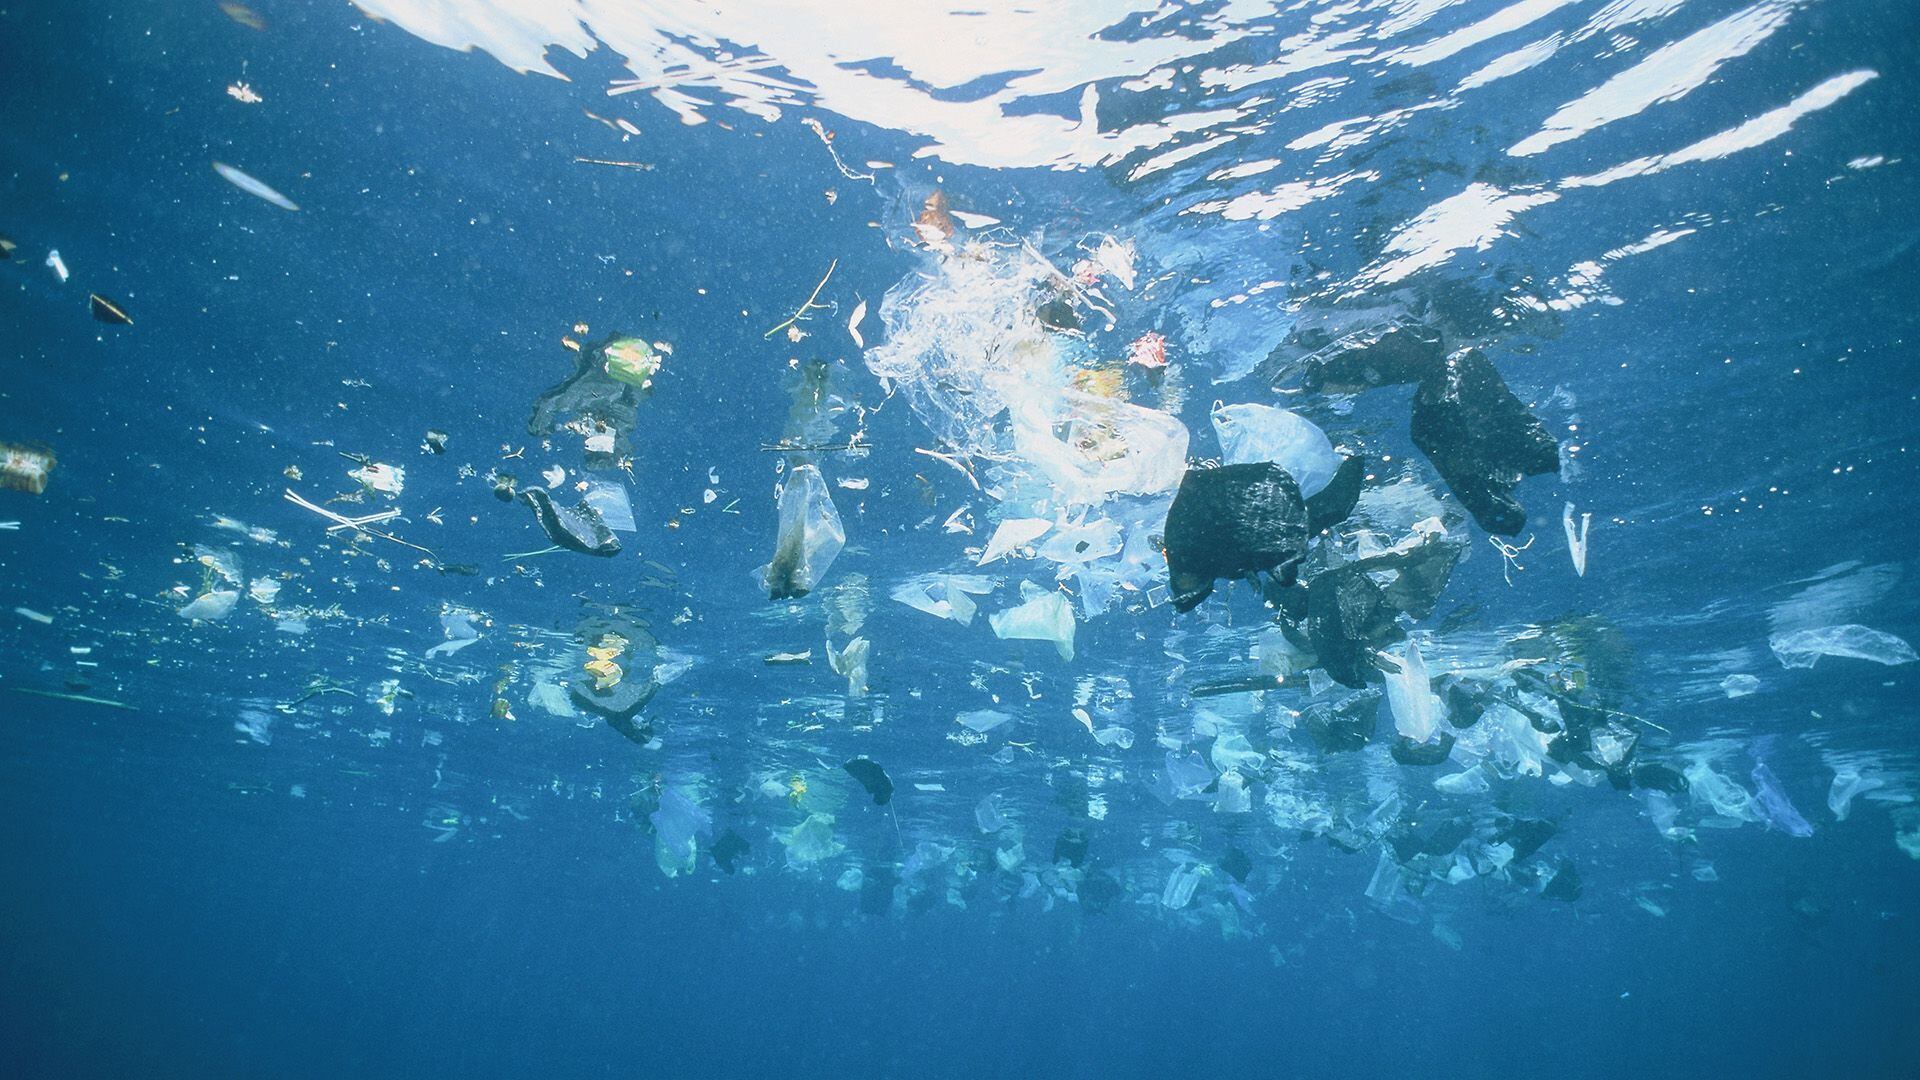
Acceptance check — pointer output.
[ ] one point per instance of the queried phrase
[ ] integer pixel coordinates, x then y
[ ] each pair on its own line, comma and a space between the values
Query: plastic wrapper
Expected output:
1417, 713
810, 536
1230, 522
1848, 782
577, 528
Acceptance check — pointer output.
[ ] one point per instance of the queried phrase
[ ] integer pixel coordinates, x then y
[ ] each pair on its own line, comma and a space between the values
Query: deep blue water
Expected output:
440, 891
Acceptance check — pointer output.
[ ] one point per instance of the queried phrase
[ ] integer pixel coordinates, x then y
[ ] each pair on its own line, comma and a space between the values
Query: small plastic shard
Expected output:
853, 324
1576, 542
631, 361
1739, 685
210, 606
576, 529
107, 311
252, 186
58, 265
789, 659
1803, 648
25, 468
810, 536
1042, 616
458, 626
1253, 433
872, 777
34, 616
1012, 534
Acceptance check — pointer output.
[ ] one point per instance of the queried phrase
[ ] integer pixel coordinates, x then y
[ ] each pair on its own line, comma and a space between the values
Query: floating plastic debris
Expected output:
253, 187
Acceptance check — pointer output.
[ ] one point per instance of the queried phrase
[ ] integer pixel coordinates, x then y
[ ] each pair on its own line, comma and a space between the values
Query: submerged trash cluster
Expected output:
1284, 564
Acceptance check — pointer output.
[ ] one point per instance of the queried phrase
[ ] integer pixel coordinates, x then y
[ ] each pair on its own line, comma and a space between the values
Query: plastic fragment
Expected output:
25, 468
252, 186
1739, 685
1043, 616
1012, 534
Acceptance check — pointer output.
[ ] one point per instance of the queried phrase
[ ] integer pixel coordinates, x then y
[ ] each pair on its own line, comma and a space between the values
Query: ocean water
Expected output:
326, 787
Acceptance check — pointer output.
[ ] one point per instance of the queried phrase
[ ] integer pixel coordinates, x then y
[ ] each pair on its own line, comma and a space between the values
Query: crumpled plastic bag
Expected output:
810, 536
1088, 447
1043, 616
1252, 433
577, 528
1803, 648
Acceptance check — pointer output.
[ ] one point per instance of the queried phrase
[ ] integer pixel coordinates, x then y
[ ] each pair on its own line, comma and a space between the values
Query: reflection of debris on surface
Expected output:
616, 680
600, 401
25, 468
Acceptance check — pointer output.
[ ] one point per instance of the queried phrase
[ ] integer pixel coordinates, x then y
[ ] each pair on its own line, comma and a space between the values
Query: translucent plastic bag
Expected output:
1253, 433
810, 536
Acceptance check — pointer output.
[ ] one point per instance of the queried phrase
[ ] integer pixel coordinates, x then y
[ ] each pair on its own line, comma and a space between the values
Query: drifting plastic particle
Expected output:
252, 186
58, 265
33, 616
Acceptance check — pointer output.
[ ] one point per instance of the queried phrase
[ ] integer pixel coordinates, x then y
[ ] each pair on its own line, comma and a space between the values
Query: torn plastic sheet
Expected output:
1253, 433
987, 817
944, 596
1011, 535
1043, 616
1803, 648
1775, 808
810, 536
